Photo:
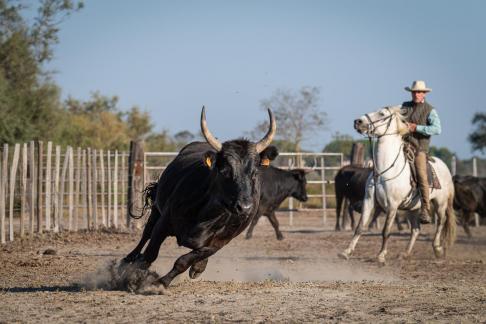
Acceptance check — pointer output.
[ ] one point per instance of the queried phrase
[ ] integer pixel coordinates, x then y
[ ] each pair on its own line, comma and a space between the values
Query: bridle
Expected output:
372, 137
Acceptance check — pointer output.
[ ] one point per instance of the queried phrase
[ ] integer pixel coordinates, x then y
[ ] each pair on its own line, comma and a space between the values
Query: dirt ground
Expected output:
299, 279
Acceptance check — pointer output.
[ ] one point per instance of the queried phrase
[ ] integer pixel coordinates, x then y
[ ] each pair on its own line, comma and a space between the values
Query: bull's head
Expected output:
236, 164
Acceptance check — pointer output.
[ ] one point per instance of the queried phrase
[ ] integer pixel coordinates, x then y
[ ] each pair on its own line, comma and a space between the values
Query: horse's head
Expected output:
386, 121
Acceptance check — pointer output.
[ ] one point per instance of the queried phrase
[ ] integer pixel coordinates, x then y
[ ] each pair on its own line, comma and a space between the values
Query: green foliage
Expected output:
442, 153
29, 106
478, 136
343, 143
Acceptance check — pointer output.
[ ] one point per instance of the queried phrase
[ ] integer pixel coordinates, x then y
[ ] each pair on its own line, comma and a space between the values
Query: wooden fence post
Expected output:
13, 174
357, 154
71, 188
135, 179
95, 191
85, 191
3, 191
78, 188
23, 199
89, 171
109, 222
102, 180
115, 191
48, 186
62, 190
33, 184
39, 186
56, 189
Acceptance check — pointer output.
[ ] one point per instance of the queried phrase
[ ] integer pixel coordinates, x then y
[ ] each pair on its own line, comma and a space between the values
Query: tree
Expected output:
343, 143
442, 153
182, 138
29, 106
139, 125
297, 114
478, 136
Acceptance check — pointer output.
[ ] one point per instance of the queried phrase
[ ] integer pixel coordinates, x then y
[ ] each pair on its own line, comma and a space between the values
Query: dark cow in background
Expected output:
276, 186
469, 198
349, 186
205, 197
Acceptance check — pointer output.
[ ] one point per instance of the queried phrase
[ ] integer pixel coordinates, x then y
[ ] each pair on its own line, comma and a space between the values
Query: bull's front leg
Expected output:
254, 221
186, 261
368, 208
198, 268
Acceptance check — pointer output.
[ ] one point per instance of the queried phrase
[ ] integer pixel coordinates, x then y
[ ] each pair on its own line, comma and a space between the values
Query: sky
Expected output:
172, 57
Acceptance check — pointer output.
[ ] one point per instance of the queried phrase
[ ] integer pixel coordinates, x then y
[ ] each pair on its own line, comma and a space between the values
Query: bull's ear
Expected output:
268, 154
209, 158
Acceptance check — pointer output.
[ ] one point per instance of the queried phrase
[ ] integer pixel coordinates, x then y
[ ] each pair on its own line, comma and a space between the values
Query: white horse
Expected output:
389, 185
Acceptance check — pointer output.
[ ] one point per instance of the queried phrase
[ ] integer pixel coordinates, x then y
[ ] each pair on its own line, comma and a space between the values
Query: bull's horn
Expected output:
264, 142
215, 144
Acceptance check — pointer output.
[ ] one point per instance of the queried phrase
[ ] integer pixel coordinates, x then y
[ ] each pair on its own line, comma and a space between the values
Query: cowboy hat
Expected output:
418, 85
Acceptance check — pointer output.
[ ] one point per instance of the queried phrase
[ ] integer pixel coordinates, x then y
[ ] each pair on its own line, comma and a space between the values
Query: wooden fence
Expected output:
46, 188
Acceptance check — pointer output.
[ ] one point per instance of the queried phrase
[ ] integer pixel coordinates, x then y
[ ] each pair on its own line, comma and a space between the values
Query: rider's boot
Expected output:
421, 167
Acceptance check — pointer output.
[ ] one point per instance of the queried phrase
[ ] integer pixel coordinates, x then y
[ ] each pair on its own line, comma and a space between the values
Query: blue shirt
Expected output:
433, 126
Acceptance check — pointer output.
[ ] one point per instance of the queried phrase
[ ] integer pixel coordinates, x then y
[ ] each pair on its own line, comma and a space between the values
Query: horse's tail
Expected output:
149, 194
449, 231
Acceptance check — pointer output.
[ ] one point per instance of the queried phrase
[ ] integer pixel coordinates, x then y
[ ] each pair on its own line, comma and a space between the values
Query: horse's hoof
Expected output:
247, 237
439, 252
344, 255
404, 256
381, 260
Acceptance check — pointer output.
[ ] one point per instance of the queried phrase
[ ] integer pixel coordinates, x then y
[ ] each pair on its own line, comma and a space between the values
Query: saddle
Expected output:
432, 178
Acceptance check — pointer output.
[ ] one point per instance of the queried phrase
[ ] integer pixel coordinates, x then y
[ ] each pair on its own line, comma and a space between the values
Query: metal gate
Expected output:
319, 183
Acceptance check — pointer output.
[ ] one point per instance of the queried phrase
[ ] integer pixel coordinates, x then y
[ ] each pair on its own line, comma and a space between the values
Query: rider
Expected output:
423, 122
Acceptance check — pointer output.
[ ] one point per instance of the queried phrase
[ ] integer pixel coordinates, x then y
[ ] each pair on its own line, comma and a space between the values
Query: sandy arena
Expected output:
299, 279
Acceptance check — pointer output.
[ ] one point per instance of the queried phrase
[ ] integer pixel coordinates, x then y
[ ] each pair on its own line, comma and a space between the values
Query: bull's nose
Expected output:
243, 207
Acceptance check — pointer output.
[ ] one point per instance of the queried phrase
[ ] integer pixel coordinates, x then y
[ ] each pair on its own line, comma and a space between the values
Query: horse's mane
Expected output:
401, 121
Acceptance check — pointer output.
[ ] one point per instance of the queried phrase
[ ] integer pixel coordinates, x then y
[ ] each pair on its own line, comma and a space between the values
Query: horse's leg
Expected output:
374, 222
147, 232
274, 221
185, 261
441, 218
390, 217
414, 233
368, 207
254, 221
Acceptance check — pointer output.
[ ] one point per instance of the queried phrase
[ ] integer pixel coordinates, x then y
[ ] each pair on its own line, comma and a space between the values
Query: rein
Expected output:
371, 130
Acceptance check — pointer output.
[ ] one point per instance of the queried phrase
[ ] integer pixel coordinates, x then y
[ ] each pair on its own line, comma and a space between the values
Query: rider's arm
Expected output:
433, 125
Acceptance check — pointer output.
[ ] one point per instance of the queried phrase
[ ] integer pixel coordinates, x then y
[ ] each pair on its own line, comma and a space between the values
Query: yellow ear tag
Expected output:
265, 162
208, 162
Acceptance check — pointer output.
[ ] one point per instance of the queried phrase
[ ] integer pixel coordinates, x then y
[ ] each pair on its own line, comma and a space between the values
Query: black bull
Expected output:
470, 198
276, 185
205, 197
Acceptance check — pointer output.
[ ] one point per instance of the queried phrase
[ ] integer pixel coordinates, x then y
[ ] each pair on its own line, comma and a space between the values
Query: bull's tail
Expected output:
449, 231
149, 197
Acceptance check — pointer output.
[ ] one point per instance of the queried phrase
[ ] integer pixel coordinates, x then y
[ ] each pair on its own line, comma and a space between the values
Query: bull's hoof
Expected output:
438, 251
337, 229
193, 273
280, 237
164, 281
344, 255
